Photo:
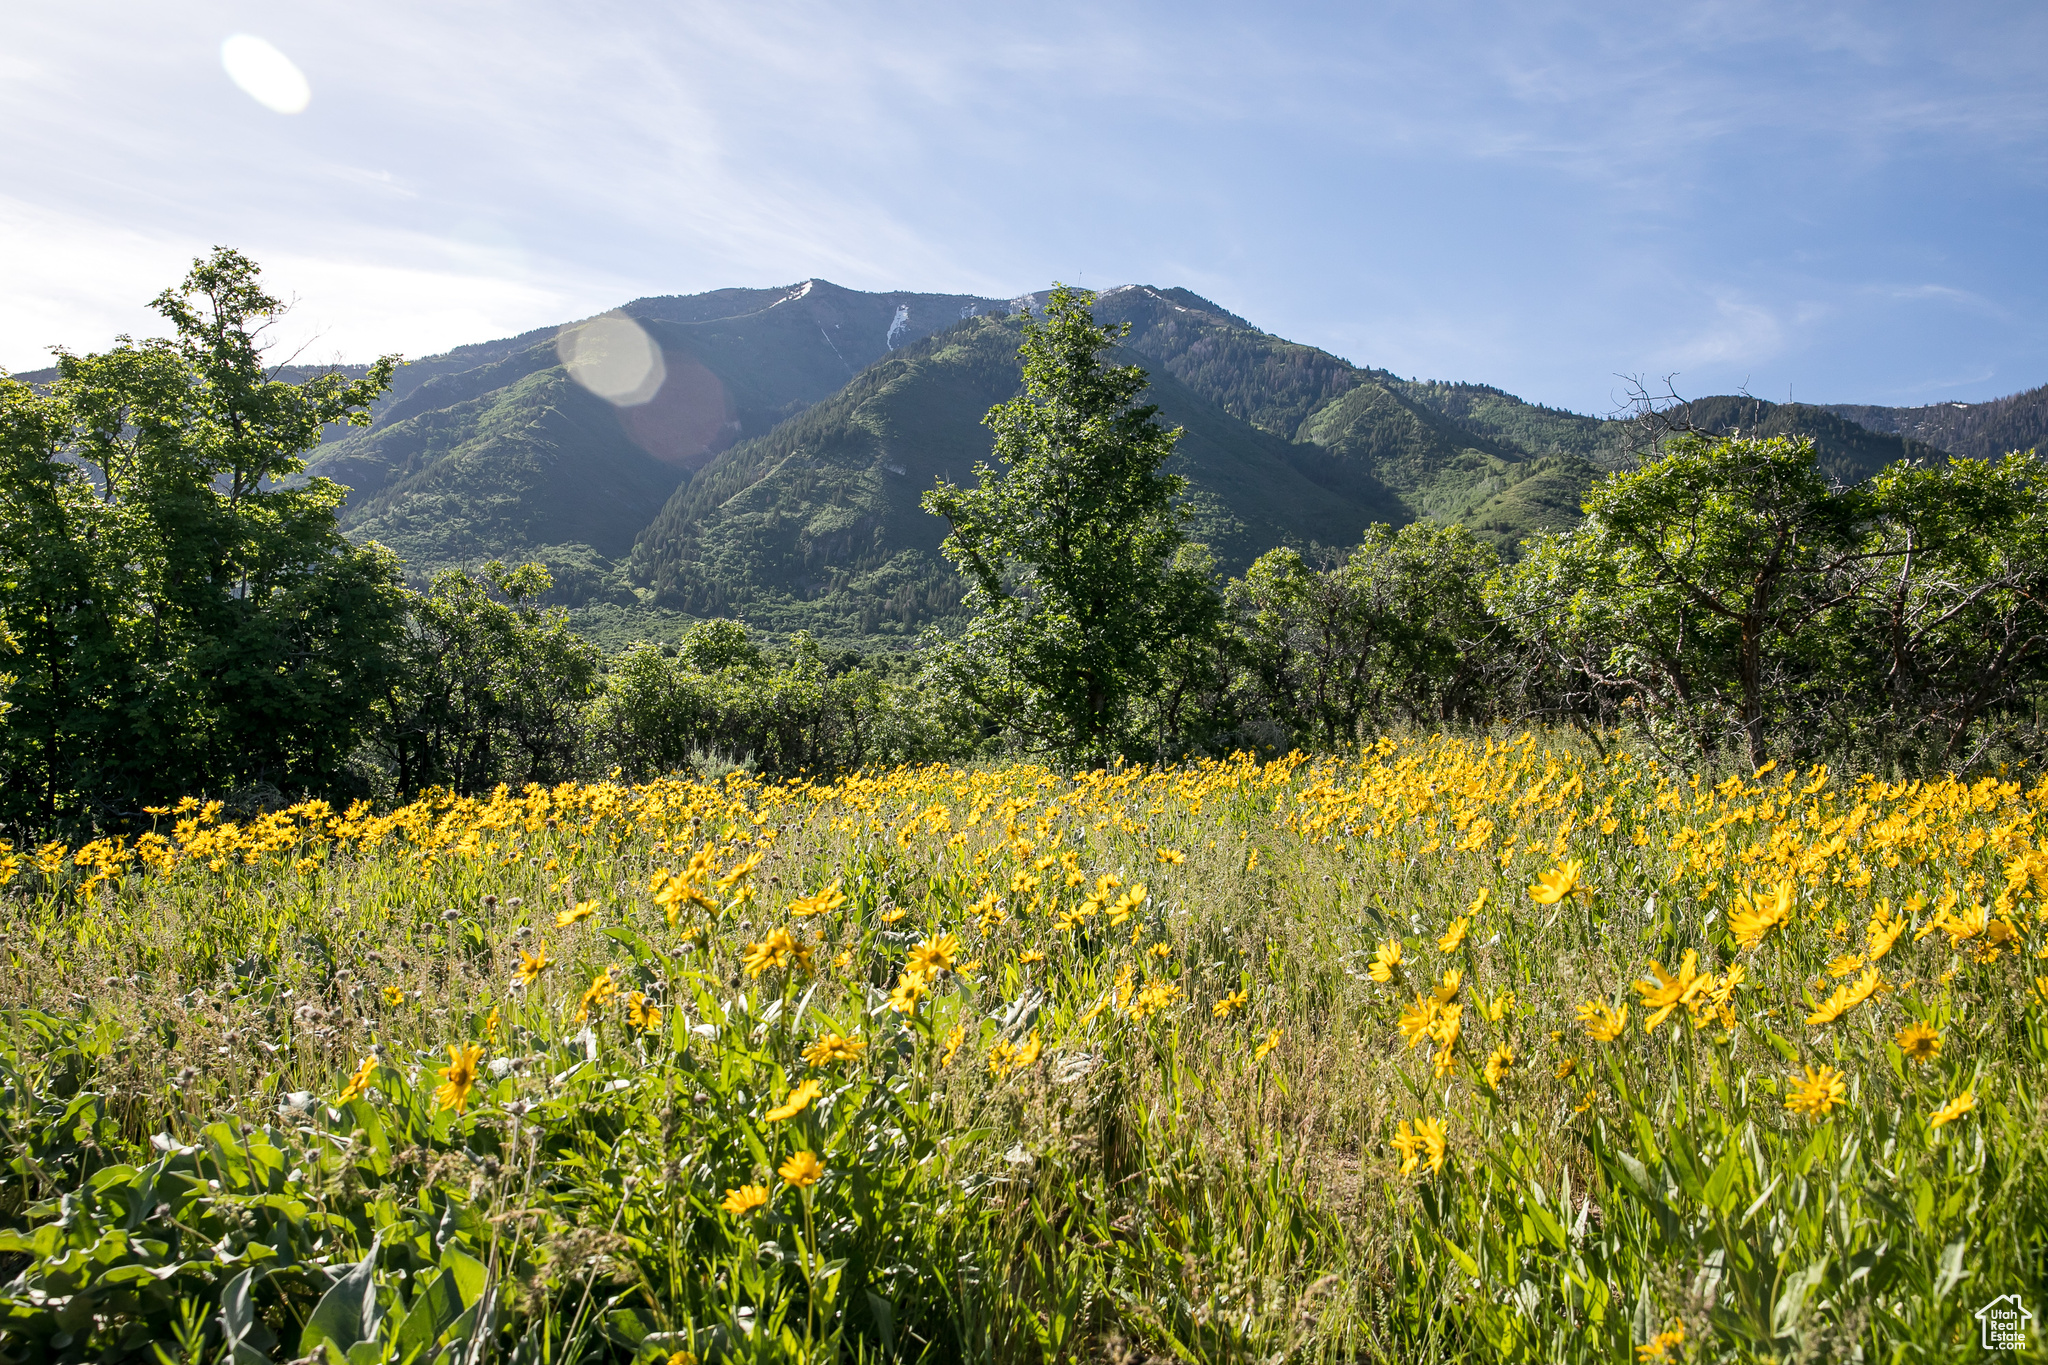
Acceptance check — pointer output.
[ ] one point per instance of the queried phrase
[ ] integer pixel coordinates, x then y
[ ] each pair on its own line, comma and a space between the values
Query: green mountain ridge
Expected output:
818, 525
1981, 431
776, 473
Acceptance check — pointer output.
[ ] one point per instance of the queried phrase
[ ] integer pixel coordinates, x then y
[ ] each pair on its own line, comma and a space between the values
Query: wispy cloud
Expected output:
1536, 195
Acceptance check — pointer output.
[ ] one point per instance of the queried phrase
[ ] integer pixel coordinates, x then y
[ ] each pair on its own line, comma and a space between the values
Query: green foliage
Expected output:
187, 615
1725, 592
493, 686
721, 702
1069, 549
1685, 582
1397, 632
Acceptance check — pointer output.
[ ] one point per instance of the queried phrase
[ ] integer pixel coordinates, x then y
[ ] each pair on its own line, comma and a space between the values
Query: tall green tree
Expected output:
1069, 547
1695, 585
1938, 627
187, 612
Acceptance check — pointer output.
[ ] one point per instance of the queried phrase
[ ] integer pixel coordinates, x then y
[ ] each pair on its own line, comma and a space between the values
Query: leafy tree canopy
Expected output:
1069, 548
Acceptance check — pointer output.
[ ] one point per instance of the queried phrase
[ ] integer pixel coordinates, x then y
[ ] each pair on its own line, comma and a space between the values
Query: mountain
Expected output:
1849, 452
1981, 431
495, 451
775, 467
817, 525
776, 473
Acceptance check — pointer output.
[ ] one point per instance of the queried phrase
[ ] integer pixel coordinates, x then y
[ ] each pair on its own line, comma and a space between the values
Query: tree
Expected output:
188, 613
1069, 549
1942, 618
1688, 586
493, 688
1398, 629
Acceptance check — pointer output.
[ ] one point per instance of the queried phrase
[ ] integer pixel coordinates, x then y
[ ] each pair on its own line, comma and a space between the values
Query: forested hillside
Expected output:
1981, 431
775, 471
817, 525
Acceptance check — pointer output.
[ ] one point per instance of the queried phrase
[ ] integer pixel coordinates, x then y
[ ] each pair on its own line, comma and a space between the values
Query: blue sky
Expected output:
1846, 202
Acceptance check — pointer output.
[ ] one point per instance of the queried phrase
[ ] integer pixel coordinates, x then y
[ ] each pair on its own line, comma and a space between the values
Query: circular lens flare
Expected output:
265, 74
613, 357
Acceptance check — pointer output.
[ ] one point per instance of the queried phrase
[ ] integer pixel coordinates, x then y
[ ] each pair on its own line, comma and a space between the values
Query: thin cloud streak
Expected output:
1535, 197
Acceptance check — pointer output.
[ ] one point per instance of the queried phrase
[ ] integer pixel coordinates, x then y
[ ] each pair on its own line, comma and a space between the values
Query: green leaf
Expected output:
470, 1274
347, 1312
433, 1313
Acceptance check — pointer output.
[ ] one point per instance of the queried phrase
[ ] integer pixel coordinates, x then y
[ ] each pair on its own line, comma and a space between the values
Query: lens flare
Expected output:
265, 74
613, 357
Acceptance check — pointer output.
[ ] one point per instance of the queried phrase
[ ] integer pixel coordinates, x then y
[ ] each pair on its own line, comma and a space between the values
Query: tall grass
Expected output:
1308, 1059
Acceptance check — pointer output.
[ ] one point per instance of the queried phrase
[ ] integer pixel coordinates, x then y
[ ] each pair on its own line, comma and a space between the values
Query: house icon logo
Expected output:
2005, 1322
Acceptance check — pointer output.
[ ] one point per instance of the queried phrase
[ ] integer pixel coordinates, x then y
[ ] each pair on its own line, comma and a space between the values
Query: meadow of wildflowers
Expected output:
1447, 1048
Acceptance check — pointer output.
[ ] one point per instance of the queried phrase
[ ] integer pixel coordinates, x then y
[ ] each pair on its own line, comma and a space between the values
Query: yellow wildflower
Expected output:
1386, 962
1883, 932
394, 996
741, 871
802, 1170
1172, 857
934, 955
1603, 1023
1819, 1092
1668, 992
642, 1013
360, 1081
953, 1042
1557, 884
602, 989
834, 1047
744, 1200
1497, 1064
1416, 1020
581, 910
458, 1078
909, 991
1918, 1041
819, 903
1846, 998
1006, 1058
1453, 979
794, 1103
1126, 905
1661, 1346
1454, 937
1426, 1142
776, 950
1229, 1004
1756, 915
1953, 1110
1272, 1041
